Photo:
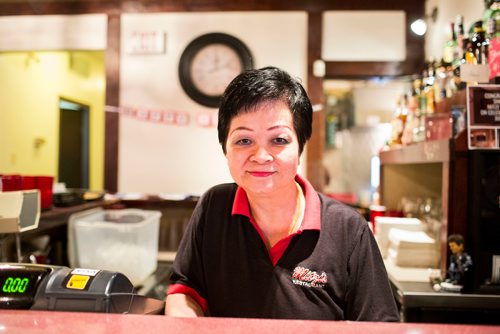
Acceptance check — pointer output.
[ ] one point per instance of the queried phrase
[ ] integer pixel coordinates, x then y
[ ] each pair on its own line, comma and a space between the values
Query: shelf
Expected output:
458, 99
424, 152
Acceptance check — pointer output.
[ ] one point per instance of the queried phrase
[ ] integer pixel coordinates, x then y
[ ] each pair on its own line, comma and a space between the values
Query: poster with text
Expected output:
483, 108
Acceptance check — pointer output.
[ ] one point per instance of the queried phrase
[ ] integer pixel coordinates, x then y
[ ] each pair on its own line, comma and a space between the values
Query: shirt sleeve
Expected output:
186, 290
187, 274
369, 295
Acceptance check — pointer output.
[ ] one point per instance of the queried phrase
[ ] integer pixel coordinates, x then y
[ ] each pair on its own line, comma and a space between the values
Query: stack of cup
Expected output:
17, 182
45, 184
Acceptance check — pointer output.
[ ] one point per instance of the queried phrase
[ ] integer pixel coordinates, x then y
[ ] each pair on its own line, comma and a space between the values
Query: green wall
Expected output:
31, 84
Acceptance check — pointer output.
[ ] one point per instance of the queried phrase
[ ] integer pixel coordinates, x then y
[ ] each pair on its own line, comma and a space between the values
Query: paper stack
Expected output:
412, 249
385, 224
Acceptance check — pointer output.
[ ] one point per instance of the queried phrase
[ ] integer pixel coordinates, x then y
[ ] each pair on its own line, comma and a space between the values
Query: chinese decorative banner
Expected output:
205, 119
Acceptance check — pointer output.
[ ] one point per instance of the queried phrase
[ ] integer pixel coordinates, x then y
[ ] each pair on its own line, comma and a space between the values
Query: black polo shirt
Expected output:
330, 268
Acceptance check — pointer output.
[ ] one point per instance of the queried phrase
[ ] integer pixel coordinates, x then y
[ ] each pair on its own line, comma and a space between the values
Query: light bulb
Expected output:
419, 27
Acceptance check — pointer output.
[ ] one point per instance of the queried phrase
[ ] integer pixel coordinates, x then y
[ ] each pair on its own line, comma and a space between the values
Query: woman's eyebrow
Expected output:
274, 127
241, 128
279, 126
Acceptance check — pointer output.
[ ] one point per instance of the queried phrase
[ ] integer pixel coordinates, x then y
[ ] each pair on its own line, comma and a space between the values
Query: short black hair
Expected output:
456, 238
256, 86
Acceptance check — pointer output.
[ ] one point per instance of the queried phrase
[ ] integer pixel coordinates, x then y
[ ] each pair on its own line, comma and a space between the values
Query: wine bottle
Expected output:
451, 45
480, 44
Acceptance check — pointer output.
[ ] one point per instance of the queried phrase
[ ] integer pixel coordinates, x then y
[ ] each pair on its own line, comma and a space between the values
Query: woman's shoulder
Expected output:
222, 189
220, 193
339, 212
343, 223
217, 201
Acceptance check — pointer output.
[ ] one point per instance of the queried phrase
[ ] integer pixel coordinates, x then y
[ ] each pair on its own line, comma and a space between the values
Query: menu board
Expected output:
483, 109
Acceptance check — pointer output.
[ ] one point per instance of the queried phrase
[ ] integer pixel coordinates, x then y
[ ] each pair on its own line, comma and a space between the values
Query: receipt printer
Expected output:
57, 288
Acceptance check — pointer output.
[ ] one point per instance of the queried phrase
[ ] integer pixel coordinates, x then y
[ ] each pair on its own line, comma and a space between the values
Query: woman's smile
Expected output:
260, 174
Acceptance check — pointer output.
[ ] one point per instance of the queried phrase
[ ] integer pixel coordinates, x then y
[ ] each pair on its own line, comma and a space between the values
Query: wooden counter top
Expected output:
57, 212
14, 321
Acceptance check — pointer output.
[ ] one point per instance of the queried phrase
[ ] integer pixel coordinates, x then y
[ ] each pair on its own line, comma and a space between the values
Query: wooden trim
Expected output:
316, 146
44, 7
369, 69
111, 136
445, 209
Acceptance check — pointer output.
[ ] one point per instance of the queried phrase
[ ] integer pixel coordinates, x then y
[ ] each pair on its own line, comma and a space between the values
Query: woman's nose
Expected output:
260, 155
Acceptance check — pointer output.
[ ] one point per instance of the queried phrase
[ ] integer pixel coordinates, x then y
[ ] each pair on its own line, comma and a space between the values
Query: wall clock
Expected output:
209, 63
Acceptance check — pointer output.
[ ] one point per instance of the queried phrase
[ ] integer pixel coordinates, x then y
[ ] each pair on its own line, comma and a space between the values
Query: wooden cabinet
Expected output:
468, 184
431, 169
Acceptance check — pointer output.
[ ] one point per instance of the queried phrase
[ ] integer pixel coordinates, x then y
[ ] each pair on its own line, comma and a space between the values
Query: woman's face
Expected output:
262, 149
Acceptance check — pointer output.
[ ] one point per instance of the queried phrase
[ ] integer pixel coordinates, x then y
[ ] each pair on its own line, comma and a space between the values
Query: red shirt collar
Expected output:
312, 214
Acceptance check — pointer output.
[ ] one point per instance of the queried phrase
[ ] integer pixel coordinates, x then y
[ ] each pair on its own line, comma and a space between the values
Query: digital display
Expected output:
15, 285
18, 286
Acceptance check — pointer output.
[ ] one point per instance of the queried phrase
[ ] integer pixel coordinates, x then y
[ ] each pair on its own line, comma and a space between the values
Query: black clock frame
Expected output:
193, 48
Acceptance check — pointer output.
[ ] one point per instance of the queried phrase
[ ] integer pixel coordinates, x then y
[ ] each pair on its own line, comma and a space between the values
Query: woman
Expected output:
269, 245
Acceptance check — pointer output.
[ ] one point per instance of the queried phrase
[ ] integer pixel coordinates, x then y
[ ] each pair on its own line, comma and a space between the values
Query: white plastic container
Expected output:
125, 241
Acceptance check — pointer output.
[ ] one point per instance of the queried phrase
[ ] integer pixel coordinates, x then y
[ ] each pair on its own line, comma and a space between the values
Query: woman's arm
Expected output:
181, 305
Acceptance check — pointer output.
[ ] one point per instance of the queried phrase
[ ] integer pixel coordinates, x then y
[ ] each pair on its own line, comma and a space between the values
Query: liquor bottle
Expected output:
466, 58
459, 27
429, 89
412, 120
440, 81
422, 95
398, 121
469, 56
450, 49
479, 44
419, 131
415, 107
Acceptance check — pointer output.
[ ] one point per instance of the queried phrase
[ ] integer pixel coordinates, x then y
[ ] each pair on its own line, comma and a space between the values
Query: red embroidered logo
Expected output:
307, 277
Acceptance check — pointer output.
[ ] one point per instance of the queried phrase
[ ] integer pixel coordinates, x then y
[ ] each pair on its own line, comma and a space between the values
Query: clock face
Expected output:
209, 63
213, 67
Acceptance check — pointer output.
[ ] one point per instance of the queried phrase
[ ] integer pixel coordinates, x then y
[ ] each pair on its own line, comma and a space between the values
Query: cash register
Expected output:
58, 288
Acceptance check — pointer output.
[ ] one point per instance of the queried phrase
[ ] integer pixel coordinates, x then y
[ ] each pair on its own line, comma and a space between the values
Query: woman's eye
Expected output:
280, 141
244, 141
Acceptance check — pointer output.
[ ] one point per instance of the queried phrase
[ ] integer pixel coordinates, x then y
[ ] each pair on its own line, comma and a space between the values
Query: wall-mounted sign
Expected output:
483, 108
474, 73
146, 42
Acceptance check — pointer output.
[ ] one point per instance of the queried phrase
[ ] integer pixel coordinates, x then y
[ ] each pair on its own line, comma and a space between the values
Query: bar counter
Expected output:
15, 321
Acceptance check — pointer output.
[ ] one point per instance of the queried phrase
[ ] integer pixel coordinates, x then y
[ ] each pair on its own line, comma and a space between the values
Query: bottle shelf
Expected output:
423, 152
458, 99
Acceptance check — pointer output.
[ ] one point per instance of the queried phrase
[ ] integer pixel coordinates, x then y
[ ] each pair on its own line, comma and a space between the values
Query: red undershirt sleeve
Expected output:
186, 290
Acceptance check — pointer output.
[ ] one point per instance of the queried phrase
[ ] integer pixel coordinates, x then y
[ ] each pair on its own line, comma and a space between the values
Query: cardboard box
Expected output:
19, 211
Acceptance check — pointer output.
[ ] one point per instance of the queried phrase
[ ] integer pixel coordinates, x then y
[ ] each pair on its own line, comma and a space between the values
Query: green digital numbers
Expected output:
15, 285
